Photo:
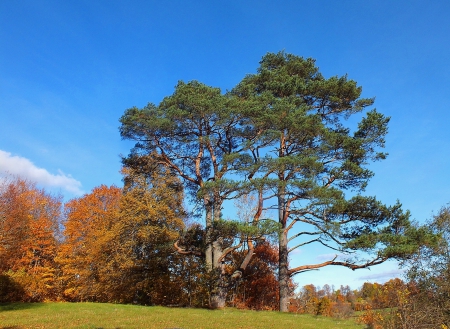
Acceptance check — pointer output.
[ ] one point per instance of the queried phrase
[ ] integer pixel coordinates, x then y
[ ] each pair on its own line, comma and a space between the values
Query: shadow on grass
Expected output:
17, 306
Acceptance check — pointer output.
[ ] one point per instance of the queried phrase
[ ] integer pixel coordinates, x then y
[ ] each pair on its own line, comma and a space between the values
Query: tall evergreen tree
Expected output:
307, 157
284, 133
196, 133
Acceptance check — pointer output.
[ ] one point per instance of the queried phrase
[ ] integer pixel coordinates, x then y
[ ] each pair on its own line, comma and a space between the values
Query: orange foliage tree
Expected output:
326, 301
305, 301
29, 220
118, 243
82, 255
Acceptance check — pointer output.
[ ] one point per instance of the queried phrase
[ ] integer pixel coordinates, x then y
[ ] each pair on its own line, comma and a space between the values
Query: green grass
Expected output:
114, 316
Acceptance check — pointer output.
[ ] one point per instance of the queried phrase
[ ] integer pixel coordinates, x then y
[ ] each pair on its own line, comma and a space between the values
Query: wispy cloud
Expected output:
383, 276
330, 256
22, 167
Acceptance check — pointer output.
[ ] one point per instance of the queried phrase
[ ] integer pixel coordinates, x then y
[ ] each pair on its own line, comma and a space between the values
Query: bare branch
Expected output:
303, 233
303, 244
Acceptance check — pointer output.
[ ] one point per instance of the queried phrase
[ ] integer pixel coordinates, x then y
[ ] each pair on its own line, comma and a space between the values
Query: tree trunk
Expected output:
283, 274
218, 298
208, 239
219, 291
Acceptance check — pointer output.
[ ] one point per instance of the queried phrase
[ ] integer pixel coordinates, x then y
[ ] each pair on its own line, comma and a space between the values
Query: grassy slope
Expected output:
94, 315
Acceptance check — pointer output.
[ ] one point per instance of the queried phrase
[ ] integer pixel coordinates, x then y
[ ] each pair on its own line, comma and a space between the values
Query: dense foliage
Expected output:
29, 219
312, 165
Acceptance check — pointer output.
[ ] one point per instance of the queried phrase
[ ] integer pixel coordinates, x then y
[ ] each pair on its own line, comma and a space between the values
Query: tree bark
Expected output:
283, 273
208, 239
219, 291
218, 298
283, 265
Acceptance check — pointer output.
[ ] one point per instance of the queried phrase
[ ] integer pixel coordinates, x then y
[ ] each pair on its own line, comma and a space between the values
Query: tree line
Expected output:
344, 301
116, 245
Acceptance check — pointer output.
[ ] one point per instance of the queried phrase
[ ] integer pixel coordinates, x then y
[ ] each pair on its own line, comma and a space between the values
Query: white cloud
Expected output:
24, 168
383, 276
297, 251
330, 256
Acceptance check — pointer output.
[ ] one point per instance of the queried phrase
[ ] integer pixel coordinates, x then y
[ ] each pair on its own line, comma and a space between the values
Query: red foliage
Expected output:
259, 287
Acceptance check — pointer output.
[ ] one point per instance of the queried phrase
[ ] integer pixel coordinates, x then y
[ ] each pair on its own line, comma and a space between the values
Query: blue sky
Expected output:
69, 69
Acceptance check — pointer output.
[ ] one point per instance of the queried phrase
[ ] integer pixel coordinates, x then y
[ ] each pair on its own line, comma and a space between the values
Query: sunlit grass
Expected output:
114, 316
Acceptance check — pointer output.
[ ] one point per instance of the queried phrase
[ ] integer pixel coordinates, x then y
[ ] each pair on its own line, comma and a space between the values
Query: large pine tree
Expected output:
313, 166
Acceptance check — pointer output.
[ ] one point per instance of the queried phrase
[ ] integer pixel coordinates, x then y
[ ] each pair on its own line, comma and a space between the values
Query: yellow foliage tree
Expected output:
150, 220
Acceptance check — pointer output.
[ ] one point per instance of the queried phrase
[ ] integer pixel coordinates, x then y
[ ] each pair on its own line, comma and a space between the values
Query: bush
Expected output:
10, 290
341, 310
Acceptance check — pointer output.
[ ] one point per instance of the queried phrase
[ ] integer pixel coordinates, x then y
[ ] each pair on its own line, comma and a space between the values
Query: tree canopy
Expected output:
29, 225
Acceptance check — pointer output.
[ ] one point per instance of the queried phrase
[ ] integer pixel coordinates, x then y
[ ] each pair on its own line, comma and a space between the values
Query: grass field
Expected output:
96, 316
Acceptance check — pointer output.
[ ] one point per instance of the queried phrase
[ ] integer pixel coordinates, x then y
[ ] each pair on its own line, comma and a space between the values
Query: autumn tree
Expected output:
306, 300
118, 243
428, 299
256, 287
308, 155
29, 221
151, 217
83, 254
199, 134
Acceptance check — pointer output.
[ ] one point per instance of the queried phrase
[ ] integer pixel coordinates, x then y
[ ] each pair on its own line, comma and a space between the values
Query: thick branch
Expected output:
186, 252
238, 273
228, 250
352, 266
